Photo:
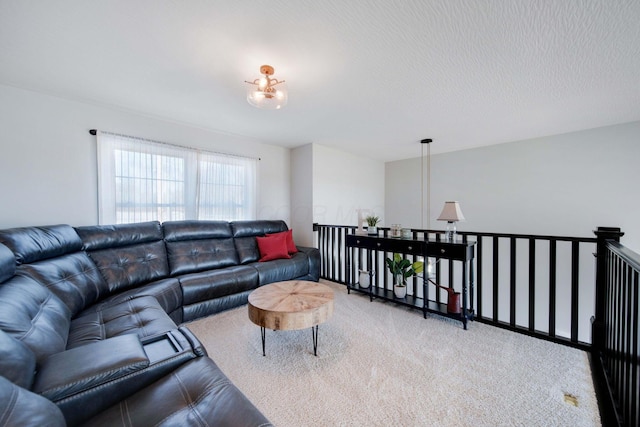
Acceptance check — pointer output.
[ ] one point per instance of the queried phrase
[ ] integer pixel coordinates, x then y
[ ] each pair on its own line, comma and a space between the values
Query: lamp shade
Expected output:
451, 212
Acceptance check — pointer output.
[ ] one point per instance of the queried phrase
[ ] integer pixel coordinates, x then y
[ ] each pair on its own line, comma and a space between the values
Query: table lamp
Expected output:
451, 213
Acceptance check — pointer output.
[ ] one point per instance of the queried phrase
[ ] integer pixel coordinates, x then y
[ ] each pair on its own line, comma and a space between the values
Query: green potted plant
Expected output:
372, 223
401, 269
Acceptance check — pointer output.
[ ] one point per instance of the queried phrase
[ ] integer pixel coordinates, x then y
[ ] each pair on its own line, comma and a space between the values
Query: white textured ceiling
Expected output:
364, 76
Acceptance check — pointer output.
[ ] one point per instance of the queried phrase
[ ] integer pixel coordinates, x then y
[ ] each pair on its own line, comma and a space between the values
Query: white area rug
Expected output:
380, 364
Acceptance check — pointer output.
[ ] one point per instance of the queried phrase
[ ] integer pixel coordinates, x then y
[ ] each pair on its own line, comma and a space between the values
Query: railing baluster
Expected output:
479, 269
634, 397
340, 246
627, 342
496, 279
512, 282
552, 288
532, 285
575, 286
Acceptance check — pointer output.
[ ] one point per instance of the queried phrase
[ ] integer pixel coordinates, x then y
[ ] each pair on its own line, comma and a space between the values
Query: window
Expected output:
141, 180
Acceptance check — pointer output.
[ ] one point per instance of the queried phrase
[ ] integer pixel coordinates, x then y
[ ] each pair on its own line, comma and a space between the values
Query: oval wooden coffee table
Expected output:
295, 304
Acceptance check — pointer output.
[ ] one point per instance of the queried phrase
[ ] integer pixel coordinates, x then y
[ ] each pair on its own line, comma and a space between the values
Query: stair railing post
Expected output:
603, 234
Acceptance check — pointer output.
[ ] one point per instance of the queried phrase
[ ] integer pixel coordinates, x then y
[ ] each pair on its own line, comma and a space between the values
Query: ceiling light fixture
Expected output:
267, 92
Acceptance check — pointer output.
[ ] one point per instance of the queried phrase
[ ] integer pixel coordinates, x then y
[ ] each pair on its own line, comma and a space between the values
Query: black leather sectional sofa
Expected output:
90, 320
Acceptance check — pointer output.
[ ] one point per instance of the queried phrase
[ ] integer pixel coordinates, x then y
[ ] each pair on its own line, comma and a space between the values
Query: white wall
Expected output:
48, 160
561, 185
302, 195
342, 183
328, 185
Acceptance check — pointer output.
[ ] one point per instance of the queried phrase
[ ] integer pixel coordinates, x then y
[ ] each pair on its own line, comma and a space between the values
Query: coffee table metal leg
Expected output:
263, 333
314, 334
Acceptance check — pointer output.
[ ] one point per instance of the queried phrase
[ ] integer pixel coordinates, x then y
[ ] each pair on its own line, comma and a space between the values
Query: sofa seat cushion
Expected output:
212, 284
143, 316
213, 306
166, 291
197, 393
282, 269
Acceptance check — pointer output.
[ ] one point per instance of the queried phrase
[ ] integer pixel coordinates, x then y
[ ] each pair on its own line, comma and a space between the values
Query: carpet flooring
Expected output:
380, 364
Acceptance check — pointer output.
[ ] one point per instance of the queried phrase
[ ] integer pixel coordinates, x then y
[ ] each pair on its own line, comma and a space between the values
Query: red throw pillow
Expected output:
291, 247
272, 247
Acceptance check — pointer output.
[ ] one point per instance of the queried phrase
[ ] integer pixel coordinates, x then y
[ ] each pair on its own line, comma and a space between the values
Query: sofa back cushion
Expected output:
7, 263
194, 246
52, 256
32, 314
96, 237
127, 255
73, 278
245, 233
30, 244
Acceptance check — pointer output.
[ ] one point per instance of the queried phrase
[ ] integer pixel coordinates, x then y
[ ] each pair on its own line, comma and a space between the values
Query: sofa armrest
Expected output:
314, 261
197, 346
86, 380
74, 371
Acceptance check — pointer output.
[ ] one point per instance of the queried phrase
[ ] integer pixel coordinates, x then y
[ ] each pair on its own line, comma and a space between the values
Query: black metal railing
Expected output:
543, 286
616, 343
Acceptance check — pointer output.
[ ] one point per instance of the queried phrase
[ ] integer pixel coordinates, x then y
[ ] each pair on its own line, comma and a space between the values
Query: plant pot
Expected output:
372, 229
400, 291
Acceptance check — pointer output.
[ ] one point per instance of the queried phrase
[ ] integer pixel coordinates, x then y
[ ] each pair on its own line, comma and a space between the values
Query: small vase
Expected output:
372, 229
400, 291
363, 281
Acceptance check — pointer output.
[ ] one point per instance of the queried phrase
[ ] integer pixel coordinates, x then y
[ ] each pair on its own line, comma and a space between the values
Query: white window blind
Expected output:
142, 180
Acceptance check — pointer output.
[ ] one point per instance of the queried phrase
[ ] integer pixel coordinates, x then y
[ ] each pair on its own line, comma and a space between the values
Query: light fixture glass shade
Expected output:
451, 212
267, 92
268, 100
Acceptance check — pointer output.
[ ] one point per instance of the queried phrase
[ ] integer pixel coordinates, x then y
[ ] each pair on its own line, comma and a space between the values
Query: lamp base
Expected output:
450, 233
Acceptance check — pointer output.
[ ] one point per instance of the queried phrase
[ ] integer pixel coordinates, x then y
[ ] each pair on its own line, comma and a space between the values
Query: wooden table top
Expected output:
295, 304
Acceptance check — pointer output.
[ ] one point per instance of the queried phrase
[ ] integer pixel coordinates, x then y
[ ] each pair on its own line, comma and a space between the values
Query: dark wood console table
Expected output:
450, 250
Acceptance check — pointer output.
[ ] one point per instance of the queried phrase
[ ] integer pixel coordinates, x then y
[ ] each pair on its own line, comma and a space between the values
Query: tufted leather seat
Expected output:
210, 396
142, 316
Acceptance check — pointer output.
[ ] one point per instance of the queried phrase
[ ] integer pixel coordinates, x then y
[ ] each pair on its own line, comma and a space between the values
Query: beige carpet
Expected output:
380, 364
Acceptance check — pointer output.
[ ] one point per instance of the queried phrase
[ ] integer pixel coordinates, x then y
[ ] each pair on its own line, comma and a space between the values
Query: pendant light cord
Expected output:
428, 186
427, 142
422, 186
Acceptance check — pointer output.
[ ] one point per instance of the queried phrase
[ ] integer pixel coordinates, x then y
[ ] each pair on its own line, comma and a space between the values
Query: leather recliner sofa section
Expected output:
90, 320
